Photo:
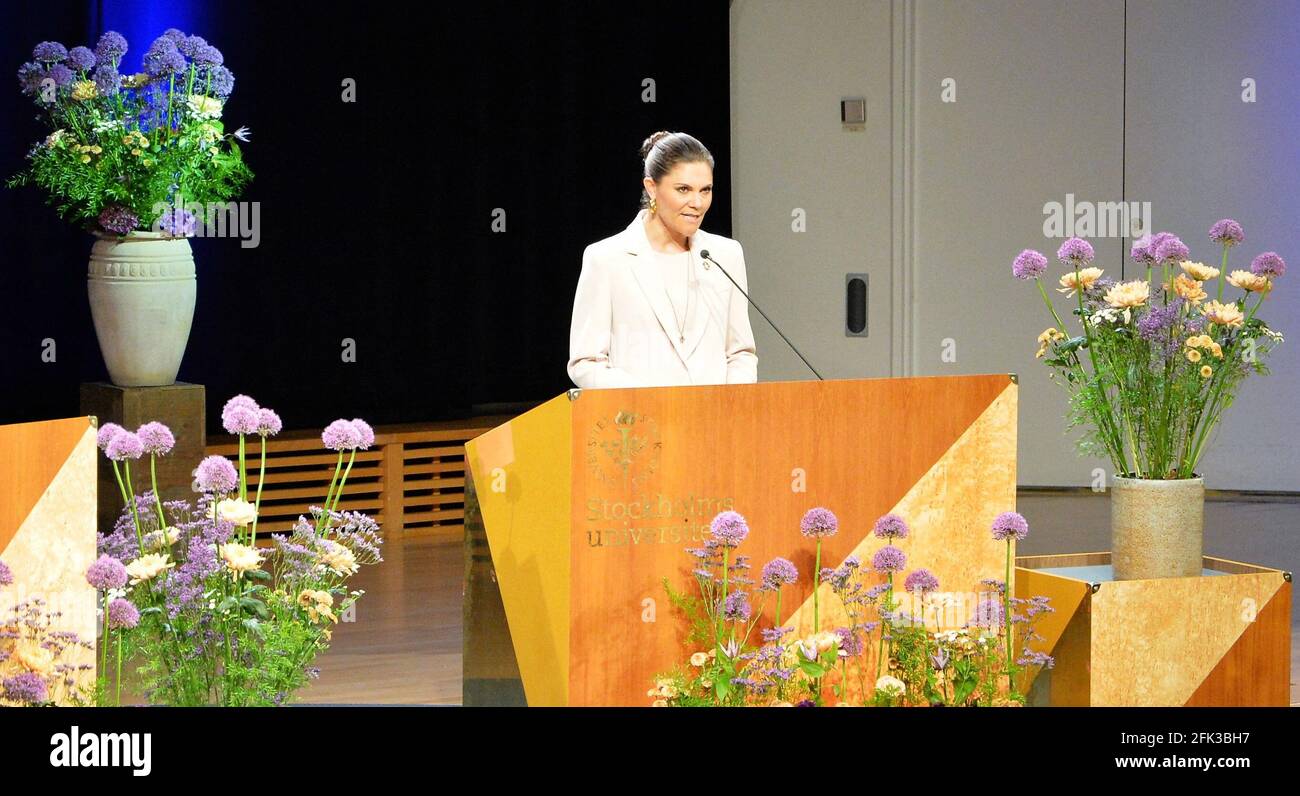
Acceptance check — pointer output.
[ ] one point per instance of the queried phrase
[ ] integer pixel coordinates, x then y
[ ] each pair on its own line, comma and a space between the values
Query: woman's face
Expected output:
683, 196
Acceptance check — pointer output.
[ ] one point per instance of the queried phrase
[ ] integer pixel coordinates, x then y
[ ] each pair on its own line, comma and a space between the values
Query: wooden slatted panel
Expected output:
413, 478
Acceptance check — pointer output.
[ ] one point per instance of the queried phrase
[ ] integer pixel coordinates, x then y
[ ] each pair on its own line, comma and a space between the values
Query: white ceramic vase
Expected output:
142, 289
1156, 528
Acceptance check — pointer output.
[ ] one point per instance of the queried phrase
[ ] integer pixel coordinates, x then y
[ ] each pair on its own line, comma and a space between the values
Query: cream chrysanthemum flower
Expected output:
240, 558
83, 90
1251, 282
318, 603
338, 558
1045, 340
890, 686
1206, 371
1193, 355
236, 512
148, 567
204, 107
1084, 280
699, 659
1127, 295
1223, 314
1189, 289
1200, 271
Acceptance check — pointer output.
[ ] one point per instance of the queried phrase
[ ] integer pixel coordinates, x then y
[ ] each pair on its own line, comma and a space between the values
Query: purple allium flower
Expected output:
208, 55
736, 607
164, 59
777, 573
118, 220
921, 579
890, 526
156, 438
889, 559
28, 688
1170, 249
175, 34
729, 529
106, 433
366, 433
6, 577
190, 45
1227, 231
177, 223
122, 614
222, 81
806, 703
1141, 251
50, 52
988, 613
1075, 252
30, 76
341, 435
1009, 524
81, 59
111, 46
216, 474
124, 445
106, 573
107, 80
1268, 264
61, 75
240, 420
1029, 264
268, 423
818, 522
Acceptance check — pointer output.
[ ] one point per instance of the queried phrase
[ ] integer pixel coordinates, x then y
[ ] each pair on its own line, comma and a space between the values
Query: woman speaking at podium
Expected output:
650, 310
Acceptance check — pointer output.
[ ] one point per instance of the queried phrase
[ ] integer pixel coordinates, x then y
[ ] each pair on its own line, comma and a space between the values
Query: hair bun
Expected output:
650, 142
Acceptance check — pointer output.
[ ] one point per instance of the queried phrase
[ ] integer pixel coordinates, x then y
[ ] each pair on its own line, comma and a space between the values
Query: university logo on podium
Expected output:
624, 452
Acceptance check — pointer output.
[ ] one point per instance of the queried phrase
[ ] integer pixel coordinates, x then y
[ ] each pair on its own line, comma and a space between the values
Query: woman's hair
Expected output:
662, 152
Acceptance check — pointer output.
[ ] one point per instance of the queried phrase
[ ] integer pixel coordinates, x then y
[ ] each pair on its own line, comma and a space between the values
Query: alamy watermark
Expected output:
1085, 219
212, 220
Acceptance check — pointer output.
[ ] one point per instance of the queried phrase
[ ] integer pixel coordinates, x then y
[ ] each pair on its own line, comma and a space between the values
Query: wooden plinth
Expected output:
1220, 639
180, 407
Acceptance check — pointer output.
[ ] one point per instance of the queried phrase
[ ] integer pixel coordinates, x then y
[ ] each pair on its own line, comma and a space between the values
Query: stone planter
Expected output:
142, 290
1156, 527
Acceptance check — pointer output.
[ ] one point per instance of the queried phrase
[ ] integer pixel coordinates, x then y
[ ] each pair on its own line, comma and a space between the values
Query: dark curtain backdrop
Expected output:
376, 215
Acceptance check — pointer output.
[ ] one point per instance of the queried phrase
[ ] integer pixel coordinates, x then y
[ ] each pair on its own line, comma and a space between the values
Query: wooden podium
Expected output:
47, 529
578, 509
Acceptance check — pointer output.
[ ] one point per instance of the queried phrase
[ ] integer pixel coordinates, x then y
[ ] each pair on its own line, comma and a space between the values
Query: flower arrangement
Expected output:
1154, 366
36, 666
129, 152
215, 619
973, 664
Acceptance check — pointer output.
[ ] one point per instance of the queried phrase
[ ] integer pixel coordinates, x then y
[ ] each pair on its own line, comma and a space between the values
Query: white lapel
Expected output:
646, 271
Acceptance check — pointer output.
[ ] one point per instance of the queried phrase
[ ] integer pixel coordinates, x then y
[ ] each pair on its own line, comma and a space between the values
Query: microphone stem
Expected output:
769, 320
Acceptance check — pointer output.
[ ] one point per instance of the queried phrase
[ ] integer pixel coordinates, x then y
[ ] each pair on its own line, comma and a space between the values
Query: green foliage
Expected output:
147, 149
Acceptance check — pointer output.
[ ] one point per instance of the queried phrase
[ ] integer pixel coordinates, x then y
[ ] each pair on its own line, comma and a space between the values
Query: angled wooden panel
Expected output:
1065, 596
31, 454
1256, 671
53, 546
860, 446
522, 477
1187, 625
949, 509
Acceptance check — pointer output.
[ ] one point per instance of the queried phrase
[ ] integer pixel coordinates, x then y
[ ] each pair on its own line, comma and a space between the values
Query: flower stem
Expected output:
817, 578
1006, 615
257, 504
1223, 270
153, 475
139, 535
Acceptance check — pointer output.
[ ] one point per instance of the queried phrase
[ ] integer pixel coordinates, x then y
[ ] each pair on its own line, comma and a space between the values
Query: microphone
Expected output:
704, 254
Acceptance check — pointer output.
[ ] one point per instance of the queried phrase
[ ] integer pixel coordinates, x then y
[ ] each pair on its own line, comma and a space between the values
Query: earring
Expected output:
654, 206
